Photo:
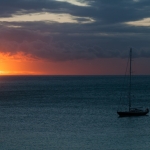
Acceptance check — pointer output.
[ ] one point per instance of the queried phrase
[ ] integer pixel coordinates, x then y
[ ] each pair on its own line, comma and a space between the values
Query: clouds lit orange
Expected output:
73, 37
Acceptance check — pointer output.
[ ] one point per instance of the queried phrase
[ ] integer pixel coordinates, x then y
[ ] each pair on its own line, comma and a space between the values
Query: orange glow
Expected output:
20, 64
12, 64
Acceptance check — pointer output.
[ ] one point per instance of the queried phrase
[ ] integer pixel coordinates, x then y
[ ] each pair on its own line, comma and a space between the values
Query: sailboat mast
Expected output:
130, 78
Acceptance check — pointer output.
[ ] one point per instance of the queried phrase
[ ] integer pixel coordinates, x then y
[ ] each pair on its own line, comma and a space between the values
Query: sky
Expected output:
74, 37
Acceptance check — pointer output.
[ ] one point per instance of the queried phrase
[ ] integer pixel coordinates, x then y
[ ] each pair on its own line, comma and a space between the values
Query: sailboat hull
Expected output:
132, 113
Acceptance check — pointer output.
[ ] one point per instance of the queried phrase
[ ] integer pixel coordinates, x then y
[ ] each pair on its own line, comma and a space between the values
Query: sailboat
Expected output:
132, 111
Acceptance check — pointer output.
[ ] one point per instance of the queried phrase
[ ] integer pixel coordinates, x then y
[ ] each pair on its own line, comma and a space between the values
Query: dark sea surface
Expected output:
72, 113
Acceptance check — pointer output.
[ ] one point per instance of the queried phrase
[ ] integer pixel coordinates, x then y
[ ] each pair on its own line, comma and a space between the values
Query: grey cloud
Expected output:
106, 37
55, 48
9, 7
106, 10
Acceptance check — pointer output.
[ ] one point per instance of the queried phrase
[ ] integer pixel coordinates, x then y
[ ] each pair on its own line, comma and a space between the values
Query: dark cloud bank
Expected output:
107, 37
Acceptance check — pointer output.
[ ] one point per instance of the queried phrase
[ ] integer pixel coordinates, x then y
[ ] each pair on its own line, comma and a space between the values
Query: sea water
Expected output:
71, 113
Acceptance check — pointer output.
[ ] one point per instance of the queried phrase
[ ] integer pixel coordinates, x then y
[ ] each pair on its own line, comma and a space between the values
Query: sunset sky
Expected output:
73, 37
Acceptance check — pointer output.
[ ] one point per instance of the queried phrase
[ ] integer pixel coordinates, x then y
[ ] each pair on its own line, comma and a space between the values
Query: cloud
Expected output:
144, 22
76, 2
47, 17
67, 30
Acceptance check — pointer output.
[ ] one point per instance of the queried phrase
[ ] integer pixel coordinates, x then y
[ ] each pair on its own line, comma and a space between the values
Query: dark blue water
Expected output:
71, 113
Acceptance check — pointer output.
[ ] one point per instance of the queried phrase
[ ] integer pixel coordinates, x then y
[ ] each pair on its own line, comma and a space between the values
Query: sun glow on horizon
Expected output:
3, 72
14, 64
21, 64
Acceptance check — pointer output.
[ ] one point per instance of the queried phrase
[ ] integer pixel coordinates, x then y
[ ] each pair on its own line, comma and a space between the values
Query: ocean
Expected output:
72, 113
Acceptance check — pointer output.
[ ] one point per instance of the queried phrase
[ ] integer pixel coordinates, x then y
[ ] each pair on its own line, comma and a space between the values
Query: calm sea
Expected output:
72, 113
